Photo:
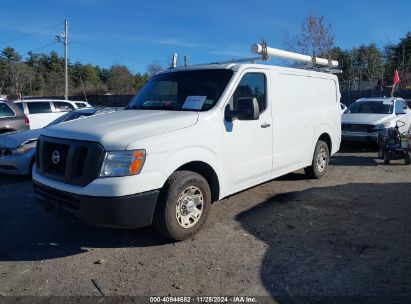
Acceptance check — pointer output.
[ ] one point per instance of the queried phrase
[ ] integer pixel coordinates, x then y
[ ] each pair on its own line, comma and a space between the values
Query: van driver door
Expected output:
248, 143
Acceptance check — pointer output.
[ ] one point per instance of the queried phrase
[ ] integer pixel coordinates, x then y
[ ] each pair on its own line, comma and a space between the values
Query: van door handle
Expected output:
265, 125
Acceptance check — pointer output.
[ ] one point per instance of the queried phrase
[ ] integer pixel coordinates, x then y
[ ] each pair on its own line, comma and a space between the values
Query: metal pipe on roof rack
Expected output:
259, 49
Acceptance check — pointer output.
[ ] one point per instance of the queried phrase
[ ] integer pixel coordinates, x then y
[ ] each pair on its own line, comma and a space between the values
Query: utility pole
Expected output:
65, 59
63, 37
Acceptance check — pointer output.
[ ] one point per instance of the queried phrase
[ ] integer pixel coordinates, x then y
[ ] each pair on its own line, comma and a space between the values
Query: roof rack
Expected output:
313, 63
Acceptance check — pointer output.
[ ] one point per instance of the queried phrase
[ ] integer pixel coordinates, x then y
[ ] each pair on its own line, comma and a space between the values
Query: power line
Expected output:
44, 46
109, 52
29, 34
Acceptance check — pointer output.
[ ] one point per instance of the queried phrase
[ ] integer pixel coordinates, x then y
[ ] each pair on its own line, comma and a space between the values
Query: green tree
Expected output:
121, 81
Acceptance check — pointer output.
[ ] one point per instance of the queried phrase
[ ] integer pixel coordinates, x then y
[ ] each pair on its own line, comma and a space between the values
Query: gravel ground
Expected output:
347, 234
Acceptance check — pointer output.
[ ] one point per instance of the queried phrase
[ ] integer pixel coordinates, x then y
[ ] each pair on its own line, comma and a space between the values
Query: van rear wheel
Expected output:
320, 161
183, 205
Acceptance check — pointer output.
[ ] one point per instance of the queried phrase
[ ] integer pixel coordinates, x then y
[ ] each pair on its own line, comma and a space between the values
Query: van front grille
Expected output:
70, 161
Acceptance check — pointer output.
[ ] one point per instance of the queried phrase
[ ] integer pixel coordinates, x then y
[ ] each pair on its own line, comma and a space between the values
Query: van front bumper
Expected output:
131, 211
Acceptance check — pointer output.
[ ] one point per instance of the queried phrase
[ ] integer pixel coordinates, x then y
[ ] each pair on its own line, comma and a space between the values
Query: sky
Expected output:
138, 33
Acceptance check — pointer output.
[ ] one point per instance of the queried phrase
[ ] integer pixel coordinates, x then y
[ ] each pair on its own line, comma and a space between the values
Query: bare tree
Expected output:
315, 37
154, 68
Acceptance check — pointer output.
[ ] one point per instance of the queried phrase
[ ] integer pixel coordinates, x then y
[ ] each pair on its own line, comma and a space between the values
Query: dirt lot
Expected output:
345, 235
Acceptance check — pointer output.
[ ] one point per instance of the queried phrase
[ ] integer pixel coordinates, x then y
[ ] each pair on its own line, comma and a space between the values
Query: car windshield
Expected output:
197, 90
371, 107
69, 116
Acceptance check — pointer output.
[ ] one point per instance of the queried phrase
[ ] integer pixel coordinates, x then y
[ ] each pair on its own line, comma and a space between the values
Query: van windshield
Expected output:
371, 107
197, 90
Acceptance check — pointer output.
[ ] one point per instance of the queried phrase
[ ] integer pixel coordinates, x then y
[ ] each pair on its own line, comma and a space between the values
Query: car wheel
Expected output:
320, 161
183, 205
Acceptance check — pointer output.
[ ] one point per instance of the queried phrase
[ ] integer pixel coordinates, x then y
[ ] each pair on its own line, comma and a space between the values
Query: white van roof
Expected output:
241, 66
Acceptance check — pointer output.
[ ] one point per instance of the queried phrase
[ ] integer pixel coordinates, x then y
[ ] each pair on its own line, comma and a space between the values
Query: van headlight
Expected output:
123, 163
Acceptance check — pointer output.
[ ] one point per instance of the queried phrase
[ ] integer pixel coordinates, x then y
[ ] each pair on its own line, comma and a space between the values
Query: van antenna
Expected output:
173, 61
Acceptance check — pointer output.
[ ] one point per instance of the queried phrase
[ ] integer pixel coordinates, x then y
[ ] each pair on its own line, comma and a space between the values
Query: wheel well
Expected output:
208, 173
327, 139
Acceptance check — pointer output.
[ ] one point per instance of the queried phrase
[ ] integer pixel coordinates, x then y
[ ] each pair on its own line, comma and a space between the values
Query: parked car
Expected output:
12, 118
408, 101
17, 149
343, 108
190, 137
366, 117
43, 111
82, 104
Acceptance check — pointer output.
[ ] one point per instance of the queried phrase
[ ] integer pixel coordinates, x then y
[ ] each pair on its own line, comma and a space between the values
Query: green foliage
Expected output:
43, 75
369, 67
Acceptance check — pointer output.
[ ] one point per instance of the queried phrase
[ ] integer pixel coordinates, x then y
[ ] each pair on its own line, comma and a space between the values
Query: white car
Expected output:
365, 118
41, 112
192, 136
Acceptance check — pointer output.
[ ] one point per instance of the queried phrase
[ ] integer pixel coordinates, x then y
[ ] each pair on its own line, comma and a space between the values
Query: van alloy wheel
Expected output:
183, 205
322, 160
189, 207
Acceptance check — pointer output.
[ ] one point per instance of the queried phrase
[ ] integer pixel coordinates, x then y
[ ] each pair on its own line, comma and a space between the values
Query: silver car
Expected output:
17, 149
365, 118
12, 118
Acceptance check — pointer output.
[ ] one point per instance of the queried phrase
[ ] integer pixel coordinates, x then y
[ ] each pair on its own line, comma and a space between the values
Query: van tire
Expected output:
319, 167
168, 220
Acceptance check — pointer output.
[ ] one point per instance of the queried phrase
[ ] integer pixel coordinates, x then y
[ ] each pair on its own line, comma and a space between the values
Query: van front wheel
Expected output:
320, 162
183, 205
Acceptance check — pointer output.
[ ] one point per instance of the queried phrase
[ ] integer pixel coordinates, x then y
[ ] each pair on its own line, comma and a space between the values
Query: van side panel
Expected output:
326, 110
292, 121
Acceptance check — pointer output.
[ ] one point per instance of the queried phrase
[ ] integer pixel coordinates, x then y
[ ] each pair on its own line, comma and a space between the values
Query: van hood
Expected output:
366, 119
118, 129
14, 139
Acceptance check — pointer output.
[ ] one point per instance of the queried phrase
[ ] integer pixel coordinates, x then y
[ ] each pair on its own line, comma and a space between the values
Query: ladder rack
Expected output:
313, 63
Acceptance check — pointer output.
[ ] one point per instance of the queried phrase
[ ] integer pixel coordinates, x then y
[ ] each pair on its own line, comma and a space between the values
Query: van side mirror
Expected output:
246, 109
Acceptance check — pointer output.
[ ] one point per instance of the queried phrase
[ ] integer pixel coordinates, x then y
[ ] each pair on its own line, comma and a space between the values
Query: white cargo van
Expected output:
192, 136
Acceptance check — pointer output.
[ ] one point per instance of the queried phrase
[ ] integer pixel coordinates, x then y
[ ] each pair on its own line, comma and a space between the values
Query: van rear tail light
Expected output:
27, 121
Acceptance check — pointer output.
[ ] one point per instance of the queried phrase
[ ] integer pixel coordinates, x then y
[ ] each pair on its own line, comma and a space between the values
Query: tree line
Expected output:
42, 74
366, 67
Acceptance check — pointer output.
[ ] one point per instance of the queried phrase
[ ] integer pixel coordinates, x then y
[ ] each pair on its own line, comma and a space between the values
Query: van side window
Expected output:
252, 85
38, 107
